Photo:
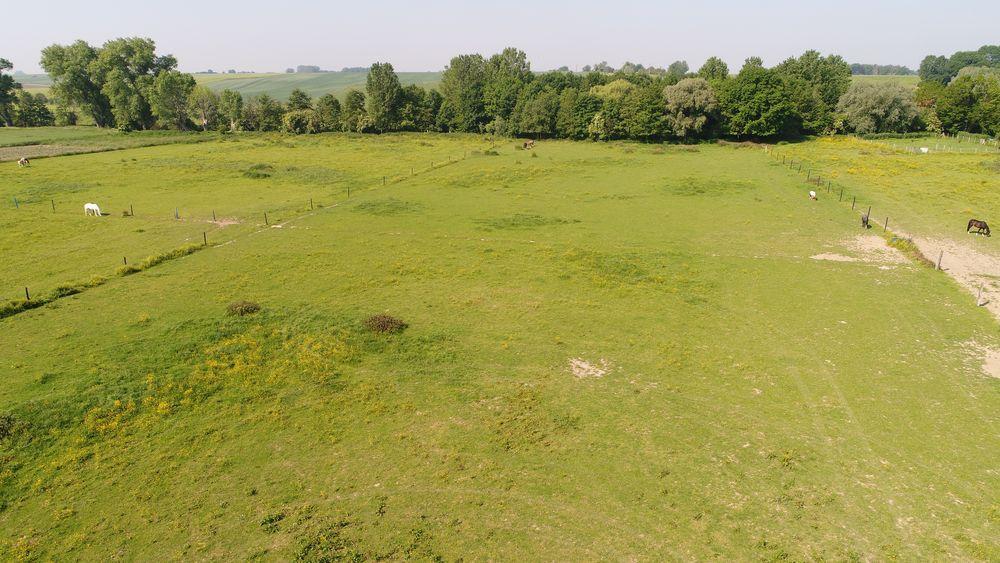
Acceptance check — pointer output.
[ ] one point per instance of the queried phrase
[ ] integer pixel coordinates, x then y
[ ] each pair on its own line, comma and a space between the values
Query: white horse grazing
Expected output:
812, 194
91, 209
23, 162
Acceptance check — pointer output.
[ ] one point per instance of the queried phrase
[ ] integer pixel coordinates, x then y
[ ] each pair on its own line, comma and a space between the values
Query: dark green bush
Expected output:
242, 308
385, 324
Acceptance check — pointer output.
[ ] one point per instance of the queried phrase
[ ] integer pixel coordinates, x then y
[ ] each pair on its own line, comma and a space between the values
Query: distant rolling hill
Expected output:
280, 85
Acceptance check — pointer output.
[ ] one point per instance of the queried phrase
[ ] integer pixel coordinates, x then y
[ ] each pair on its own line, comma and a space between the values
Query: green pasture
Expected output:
741, 399
908, 80
931, 194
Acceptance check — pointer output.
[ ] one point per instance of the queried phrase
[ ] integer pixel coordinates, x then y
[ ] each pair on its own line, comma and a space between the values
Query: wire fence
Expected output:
62, 207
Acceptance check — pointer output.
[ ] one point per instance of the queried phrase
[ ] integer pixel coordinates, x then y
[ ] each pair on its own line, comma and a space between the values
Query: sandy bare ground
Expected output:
583, 369
971, 268
865, 248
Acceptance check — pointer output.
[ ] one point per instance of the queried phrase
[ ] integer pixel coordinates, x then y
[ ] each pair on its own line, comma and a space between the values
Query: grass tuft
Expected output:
383, 323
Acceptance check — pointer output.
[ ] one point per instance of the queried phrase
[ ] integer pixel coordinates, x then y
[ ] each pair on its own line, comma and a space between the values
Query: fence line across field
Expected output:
380, 181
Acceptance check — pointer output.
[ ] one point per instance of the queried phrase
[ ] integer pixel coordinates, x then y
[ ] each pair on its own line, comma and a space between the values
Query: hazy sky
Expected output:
423, 35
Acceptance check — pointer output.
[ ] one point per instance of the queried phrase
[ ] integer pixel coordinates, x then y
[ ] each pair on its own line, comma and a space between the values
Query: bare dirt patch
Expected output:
975, 270
874, 248
583, 369
225, 222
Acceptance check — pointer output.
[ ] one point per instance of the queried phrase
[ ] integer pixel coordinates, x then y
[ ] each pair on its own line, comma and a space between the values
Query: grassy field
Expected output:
936, 192
909, 80
614, 351
280, 85
38, 142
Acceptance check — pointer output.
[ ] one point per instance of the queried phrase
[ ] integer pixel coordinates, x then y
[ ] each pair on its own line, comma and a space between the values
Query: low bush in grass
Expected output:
908, 247
178, 252
242, 308
259, 171
383, 323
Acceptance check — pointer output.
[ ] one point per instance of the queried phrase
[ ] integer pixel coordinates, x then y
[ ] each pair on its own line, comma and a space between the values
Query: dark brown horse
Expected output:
981, 227
864, 221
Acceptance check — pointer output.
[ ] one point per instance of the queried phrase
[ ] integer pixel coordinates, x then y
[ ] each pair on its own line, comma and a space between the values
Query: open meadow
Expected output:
613, 351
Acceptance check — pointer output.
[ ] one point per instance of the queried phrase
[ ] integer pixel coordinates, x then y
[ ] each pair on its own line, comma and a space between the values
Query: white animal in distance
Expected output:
23, 162
812, 194
91, 209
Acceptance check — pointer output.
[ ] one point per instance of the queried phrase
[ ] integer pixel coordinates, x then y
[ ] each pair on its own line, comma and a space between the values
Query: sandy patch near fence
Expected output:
872, 249
975, 270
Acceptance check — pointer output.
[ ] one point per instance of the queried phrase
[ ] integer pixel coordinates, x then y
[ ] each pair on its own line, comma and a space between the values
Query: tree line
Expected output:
126, 84
961, 93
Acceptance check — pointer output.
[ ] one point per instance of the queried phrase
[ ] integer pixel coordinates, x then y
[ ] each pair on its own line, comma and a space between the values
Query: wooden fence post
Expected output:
886, 227
204, 238
265, 218
27, 296
853, 201
940, 256
53, 206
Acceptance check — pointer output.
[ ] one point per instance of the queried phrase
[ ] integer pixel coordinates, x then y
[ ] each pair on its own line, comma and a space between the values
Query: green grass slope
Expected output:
755, 403
280, 85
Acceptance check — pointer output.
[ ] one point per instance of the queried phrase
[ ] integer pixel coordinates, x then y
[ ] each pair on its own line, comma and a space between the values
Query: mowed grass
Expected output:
757, 403
908, 80
935, 193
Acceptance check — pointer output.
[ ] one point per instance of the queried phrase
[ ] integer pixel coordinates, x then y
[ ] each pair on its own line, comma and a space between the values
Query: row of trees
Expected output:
961, 93
126, 84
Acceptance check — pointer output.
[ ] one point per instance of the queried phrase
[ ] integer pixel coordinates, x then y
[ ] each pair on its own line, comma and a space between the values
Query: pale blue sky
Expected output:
423, 35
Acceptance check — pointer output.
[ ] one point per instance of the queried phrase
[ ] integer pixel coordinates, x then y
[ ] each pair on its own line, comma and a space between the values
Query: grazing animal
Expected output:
23, 162
981, 227
812, 195
864, 222
92, 209
529, 144
925, 150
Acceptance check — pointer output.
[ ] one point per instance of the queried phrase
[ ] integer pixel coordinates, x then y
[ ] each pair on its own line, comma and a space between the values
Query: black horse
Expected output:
864, 222
981, 227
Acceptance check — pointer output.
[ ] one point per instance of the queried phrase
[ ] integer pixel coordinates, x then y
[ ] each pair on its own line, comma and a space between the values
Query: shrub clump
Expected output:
385, 324
259, 171
242, 308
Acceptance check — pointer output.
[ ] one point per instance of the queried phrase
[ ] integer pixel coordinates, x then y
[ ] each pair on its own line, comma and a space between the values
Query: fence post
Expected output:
940, 256
383, 180
265, 218
886, 227
853, 201
124, 261
841, 198
311, 204
16, 205
130, 210
204, 238
53, 206
27, 296
176, 214
213, 217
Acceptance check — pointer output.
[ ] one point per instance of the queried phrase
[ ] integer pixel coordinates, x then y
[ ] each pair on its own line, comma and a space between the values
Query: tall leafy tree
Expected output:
298, 100
873, 107
755, 104
678, 69
328, 112
126, 69
506, 74
203, 106
462, 85
691, 108
169, 95
352, 115
31, 111
8, 93
73, 81
231, 108
382, 97
714, 69
815, 84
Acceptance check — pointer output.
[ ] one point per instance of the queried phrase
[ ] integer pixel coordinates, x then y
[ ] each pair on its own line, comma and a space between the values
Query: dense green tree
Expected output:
691, 108
298, 100
971, 103
352, 115
262, 113
536, 113
231, 108
168, 96
301, 121
935, 68
755, 104
203, 107
566, 124
815, 84
678, 69
641, 113
463, 107
73, 82
382, 91
505, 75
328, 112
875, 107
8, 93
126, 69
714, 69
416, 110
31, 110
